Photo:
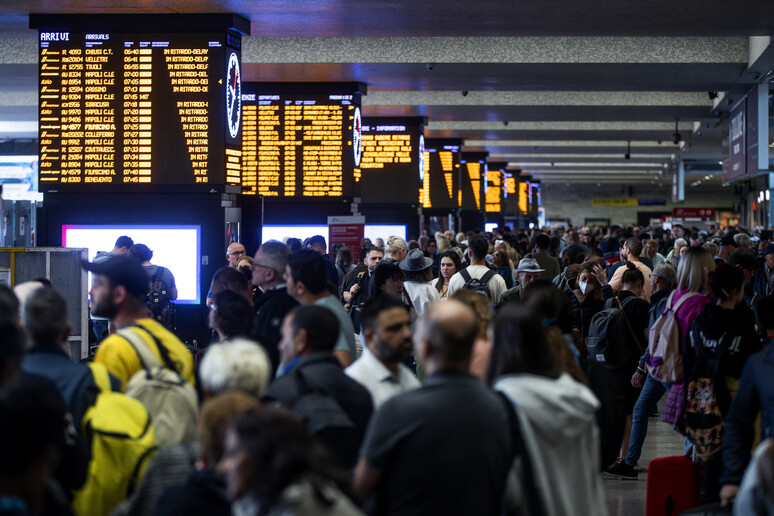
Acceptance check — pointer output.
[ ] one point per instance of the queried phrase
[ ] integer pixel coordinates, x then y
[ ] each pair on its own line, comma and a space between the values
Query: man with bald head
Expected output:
444, 448
234, 252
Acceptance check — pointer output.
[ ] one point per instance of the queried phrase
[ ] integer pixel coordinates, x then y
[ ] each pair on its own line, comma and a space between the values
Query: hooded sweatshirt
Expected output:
557, 418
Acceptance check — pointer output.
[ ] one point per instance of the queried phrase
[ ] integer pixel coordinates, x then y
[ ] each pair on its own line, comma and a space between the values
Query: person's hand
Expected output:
355, 289
637, 379
601, 275
727, 494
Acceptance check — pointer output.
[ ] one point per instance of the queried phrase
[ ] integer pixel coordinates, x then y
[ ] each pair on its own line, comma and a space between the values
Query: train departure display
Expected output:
493, 187
122, 108
511, 191
440, 182
300, 139
524, 191
472, 175
392, 167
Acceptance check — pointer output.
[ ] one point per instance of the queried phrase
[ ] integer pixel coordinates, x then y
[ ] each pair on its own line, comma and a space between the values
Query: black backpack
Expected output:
610, 335
707, 395
480, 285
325, 419
158, 302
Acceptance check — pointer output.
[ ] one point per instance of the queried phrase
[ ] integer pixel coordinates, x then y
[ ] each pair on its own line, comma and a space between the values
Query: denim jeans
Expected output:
651, 393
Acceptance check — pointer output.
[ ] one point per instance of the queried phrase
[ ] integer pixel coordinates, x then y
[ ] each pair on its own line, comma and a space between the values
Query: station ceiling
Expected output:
557, 88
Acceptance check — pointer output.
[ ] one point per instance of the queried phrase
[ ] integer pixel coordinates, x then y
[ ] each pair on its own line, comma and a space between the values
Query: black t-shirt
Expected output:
442, 449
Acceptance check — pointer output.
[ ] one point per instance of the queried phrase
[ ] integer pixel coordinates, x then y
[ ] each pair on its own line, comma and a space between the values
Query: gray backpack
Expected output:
170, 399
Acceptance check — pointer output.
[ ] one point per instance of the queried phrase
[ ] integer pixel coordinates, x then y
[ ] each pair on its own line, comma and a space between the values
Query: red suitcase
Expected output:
674, 486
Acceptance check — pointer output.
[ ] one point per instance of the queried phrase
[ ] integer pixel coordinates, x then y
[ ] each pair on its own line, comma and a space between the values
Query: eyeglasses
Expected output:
259, 266
236, 253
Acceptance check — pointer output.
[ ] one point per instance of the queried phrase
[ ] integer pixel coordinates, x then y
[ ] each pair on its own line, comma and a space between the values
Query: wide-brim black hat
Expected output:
416, 261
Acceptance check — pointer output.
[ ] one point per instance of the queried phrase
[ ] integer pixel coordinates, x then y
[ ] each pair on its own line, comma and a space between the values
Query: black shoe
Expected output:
654, 413
621, 470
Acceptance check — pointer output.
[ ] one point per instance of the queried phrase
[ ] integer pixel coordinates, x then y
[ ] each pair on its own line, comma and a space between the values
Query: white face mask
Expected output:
585, 287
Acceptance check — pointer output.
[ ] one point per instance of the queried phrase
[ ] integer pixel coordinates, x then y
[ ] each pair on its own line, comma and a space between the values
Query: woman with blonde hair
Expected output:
688, 301
395, 250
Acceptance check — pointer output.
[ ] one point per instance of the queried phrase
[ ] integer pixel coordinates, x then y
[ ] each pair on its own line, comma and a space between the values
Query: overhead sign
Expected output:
121, 108
757, 129
614, 202
693, 213
392, 167
300, 139
737, 148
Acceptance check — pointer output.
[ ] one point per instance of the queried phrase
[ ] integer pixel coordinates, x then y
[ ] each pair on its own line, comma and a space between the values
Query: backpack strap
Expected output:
683, 299
519, 449
101, 376
465, 275
628, 324
147, 358
488, 275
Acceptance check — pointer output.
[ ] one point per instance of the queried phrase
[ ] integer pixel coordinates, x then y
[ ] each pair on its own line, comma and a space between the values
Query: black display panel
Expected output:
494, 187
301, 140
392, 165
441, 179
119, 108
472, 176
511, 192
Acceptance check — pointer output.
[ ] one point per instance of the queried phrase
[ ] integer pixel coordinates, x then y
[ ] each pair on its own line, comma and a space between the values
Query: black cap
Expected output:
769, 250
728, 240
122, 270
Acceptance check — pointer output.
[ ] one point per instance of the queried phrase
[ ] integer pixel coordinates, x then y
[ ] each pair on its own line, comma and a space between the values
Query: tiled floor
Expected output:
627, 497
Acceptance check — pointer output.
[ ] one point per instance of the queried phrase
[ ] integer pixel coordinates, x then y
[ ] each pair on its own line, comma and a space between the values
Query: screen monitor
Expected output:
440, 183
302, 232
300, 140
490, 226
121, 110
175, 247
392, 168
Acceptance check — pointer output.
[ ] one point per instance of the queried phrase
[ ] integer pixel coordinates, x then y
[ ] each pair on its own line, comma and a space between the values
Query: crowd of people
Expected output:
471, 373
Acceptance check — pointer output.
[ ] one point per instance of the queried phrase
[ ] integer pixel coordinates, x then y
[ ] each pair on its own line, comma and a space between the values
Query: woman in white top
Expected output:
449, 265
556, 416
417, 277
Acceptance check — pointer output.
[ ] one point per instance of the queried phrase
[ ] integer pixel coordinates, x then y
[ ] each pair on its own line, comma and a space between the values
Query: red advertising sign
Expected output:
345, 231
694, 213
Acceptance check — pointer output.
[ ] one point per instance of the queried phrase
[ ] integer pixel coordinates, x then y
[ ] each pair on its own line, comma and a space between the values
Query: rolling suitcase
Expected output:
674, 486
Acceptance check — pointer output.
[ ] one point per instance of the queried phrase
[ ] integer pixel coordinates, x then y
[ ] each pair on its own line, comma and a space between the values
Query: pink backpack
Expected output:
665, 363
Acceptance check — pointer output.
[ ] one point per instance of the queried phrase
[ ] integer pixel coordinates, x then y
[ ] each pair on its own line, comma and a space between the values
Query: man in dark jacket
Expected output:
662, 282
317, 243
756, 393
275, 302
313, 377
45, 321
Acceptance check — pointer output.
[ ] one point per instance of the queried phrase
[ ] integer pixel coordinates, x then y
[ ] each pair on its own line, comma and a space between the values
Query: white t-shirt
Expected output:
380, 382
496, 284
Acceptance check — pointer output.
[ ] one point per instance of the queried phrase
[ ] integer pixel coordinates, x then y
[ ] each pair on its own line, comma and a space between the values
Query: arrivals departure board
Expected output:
511, 191
493, 187
392, 167
119, 108
440, 182
301, 140
472, 175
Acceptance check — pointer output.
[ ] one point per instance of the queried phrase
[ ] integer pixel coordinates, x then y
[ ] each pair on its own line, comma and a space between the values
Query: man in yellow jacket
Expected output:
118, 290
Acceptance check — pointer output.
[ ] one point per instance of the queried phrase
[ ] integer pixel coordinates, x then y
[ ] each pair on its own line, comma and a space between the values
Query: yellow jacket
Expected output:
118, 356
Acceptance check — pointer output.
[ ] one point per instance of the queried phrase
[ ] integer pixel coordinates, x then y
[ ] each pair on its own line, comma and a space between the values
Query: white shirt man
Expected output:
387, 335
477, 249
